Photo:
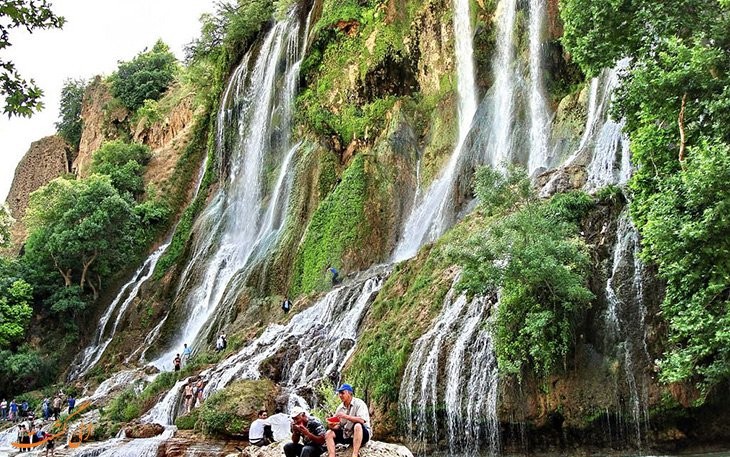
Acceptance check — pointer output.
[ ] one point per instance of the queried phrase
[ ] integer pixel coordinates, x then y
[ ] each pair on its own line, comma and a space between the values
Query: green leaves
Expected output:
686, 235
22, 98
69, 125
146, 77
15, 311
535, 260
123, 163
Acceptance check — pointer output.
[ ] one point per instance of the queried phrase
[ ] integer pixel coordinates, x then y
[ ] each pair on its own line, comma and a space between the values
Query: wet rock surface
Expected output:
143, 430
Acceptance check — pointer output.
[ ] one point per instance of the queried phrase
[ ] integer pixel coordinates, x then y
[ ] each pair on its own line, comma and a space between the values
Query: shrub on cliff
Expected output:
69, 125
123, 163
147, 76
533, 256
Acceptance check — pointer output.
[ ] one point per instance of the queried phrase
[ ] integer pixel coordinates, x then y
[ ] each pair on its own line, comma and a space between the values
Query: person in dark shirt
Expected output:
310, 430
286, 305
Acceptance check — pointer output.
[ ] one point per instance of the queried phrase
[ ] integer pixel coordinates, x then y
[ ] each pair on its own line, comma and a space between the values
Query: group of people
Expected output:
193, 394
178, 361
15, 412
31, 431
350, 425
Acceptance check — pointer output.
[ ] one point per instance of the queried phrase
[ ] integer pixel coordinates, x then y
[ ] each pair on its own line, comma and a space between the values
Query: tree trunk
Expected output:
66, 274
680, 122
87, 263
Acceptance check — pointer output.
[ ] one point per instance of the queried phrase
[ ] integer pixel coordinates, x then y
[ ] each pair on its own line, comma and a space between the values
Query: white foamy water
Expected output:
431, 216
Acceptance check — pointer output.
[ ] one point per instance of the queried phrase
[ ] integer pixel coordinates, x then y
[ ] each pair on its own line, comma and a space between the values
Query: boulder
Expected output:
372, 449
136, 430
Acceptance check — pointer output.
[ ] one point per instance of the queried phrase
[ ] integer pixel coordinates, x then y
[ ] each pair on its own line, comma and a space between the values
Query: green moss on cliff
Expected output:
336, 227
229, 412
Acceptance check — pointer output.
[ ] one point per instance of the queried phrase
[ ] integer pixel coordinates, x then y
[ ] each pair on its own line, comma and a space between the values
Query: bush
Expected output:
146, 77
123, 163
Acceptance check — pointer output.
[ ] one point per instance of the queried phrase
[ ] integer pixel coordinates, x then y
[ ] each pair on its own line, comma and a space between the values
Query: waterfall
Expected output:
432, 216
91, 355
626, 319
317, 342
243, 219
470, 392
320, 339
505, 74
539, 118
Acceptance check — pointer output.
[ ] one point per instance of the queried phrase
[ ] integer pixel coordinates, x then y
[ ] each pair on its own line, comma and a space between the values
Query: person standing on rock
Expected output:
354, 426
188, 397
176, 362
57, 407
310, 430
259, 434
186, 354
286, 305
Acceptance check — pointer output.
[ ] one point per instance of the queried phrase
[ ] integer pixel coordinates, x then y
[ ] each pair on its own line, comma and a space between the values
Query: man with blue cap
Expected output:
354, 425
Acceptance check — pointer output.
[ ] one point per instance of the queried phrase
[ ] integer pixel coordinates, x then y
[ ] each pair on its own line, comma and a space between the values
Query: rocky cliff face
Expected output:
46, 159
101, 120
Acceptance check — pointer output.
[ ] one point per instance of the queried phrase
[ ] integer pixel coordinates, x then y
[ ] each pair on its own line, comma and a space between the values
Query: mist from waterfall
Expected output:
431, 216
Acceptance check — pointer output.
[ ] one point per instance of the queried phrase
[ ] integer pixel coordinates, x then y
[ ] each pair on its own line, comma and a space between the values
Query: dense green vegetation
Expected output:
336, 227
70, 125
22, 97
533, 256
675, 99
146, 77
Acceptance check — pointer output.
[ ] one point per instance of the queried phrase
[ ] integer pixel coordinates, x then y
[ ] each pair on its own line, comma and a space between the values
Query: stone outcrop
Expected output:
97, 116
46, 159
372, 449
137, 430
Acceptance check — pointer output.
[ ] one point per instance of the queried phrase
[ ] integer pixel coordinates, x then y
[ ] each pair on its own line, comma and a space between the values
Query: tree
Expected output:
16, 295
675, 99
146, 77
123, 163
85, 229
533, 256
6, 221
69, 124
22, 97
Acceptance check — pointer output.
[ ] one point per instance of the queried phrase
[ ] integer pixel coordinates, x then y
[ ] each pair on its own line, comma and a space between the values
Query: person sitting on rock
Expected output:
354, 426
259, 434
310, 430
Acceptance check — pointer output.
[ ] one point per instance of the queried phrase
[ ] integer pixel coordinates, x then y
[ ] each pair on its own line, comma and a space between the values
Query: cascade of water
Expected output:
433, 215
417, 398
539, 119
237, 226
454, 385
481, 412
470, 363
505, 73
320, 338
626, 317
91, 355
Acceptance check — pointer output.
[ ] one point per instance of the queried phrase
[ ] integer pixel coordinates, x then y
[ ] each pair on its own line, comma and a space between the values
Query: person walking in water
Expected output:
354, 426
286, 305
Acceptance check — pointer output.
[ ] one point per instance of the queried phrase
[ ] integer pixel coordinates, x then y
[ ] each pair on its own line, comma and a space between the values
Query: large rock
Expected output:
372, 449
46, 159
101, 120
137, 430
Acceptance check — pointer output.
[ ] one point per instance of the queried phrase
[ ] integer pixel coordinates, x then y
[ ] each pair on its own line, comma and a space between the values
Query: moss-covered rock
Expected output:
230, 411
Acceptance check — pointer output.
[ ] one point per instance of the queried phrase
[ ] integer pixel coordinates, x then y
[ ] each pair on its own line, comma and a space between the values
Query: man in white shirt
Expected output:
354, 425
258, 435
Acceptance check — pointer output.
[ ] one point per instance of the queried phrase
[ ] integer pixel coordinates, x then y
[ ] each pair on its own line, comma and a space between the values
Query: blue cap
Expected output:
347, 387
